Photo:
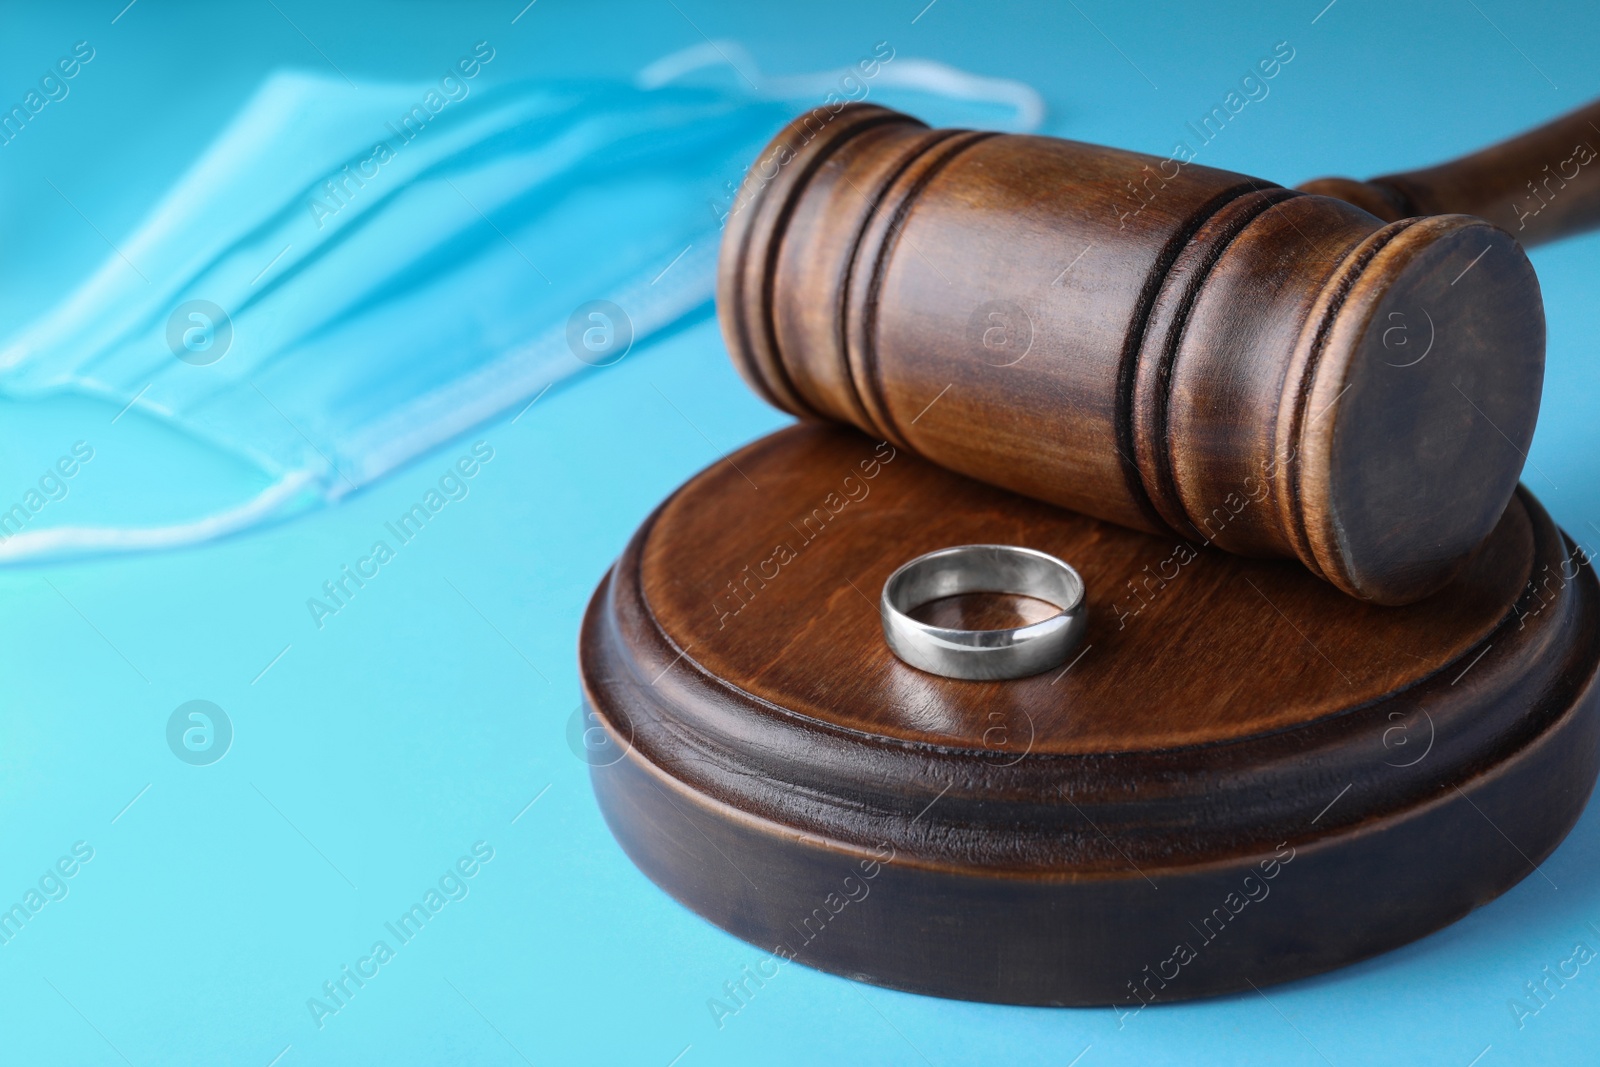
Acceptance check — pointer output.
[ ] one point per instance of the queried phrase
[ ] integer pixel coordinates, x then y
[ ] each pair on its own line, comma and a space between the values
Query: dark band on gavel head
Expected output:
1167, 346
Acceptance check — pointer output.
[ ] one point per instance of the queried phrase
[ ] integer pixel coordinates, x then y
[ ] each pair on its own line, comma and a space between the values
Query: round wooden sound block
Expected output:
1245, 776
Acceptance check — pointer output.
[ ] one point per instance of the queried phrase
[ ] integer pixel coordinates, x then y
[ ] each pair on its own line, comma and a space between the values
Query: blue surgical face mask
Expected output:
345, 279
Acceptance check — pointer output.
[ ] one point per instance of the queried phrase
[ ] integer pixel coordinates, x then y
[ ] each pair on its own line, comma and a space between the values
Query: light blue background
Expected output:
378, 750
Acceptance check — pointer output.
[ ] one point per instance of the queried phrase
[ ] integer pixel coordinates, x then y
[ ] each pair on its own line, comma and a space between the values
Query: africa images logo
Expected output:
199, 332
199, 733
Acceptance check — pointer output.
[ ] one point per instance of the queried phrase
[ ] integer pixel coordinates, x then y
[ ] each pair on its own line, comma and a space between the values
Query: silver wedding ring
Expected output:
982, 655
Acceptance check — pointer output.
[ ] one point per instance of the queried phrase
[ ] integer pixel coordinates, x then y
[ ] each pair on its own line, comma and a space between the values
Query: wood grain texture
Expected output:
1539, 186
1150, 645
1058, 840
1144, 342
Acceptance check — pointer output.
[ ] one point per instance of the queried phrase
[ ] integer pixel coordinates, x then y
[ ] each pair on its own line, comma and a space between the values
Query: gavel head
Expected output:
1160, 344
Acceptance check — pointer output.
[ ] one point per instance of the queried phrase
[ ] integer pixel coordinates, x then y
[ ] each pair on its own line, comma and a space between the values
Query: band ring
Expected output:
983, 655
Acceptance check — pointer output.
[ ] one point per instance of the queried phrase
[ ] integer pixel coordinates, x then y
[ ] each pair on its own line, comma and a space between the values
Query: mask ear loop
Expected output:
278, 501
922, 75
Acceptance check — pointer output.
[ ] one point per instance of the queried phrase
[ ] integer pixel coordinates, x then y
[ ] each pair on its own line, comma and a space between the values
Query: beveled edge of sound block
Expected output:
1078, 880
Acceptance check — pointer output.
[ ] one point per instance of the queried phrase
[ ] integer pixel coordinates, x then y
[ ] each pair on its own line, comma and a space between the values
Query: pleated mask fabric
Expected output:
344, 279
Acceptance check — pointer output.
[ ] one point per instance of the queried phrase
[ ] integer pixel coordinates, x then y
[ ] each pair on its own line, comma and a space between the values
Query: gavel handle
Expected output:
1539, 186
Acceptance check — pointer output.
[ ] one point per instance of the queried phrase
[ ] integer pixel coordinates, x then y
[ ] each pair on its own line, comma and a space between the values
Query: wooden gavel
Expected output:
1347, 375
